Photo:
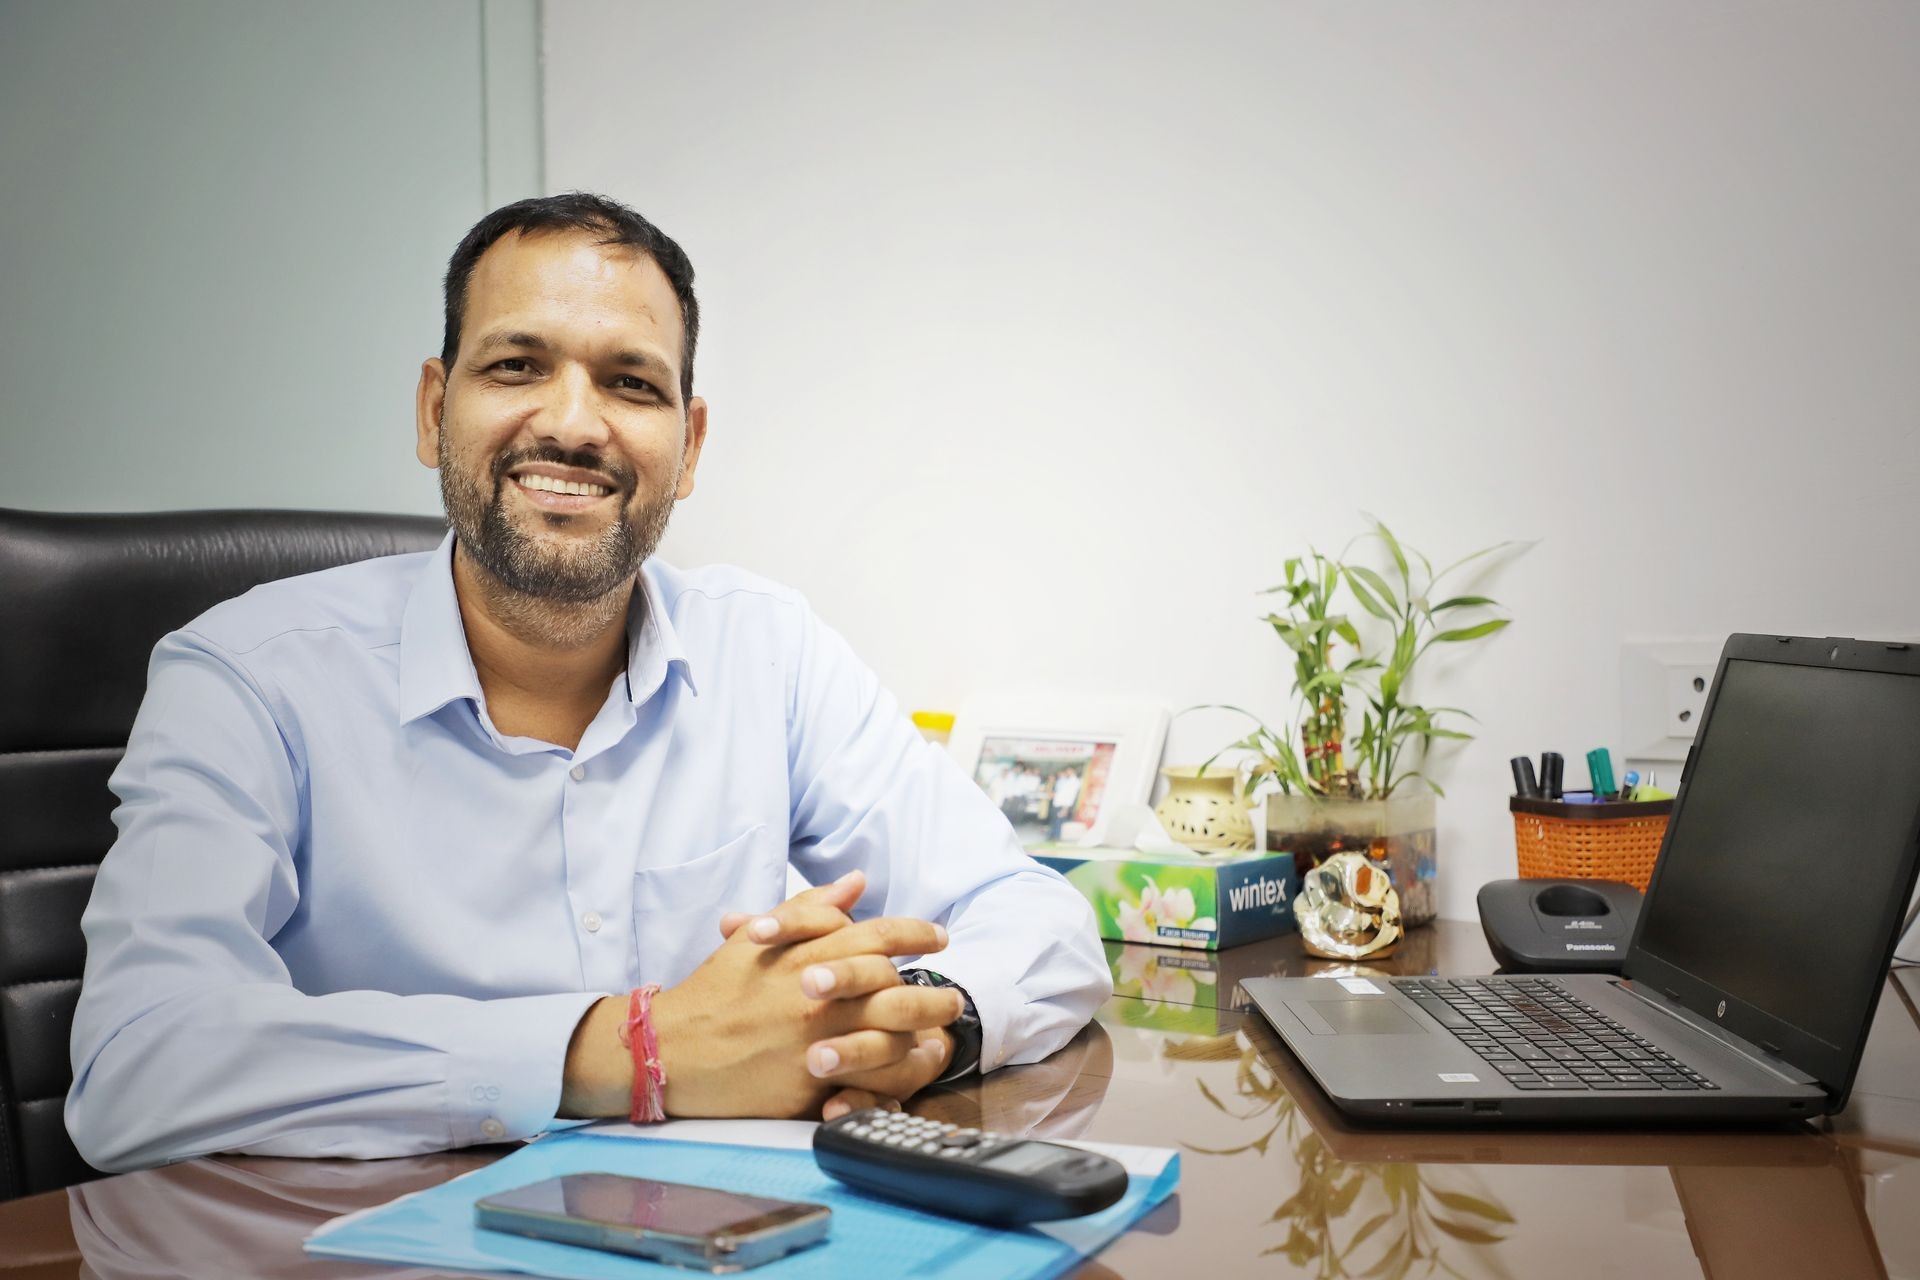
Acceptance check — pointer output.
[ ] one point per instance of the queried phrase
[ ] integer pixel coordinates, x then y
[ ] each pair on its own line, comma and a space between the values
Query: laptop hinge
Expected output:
1654, 998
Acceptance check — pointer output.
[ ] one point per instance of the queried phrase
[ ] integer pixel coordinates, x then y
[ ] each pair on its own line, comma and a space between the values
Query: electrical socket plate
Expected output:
1663, 692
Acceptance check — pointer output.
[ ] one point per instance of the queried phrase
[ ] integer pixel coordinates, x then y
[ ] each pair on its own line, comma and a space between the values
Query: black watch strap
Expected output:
964, 1029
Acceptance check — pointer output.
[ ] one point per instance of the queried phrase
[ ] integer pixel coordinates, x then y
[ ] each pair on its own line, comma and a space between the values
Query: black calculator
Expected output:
966, 1173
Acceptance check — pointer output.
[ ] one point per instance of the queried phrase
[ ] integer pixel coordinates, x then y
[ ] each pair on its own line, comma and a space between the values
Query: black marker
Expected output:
1523, 782
1553, 774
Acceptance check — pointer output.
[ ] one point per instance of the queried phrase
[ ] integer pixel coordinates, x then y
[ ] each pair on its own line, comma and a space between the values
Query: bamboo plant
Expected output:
1337, 667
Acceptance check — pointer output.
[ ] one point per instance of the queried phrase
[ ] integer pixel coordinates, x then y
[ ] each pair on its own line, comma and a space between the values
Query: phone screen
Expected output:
647, 1204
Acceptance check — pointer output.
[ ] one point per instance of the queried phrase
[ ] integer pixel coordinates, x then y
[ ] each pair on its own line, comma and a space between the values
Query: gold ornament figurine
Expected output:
1347, 908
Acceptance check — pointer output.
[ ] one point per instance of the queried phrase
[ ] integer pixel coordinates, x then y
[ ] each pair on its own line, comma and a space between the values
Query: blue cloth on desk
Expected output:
869, 1237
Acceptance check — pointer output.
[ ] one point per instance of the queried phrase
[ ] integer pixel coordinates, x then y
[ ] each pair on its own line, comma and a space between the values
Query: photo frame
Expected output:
1059, 767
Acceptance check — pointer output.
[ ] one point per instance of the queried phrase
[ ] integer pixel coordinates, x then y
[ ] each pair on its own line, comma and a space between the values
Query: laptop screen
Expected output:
1792, 834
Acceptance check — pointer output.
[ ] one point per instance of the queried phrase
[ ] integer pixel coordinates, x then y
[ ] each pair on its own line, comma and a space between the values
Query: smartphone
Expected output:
703, 1228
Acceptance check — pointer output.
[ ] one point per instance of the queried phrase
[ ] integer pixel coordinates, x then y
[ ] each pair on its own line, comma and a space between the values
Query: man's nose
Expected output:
572, 415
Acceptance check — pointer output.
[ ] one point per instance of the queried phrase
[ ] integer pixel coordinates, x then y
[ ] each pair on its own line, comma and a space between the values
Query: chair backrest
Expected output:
83, 599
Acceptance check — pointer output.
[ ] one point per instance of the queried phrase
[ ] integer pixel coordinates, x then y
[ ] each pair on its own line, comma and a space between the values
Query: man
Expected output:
396, 839
1066, 790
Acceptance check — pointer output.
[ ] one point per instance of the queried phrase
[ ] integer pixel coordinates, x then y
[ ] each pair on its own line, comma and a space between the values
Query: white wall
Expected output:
1039, 335
222, 228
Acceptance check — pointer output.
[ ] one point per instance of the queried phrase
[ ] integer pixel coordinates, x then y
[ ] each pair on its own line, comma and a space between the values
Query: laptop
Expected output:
1761, 948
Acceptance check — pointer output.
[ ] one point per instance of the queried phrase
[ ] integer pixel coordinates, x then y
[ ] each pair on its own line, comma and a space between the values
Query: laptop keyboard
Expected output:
1539, 1037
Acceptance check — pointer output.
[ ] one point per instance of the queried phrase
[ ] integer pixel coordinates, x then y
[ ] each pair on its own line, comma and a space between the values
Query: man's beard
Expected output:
576, 574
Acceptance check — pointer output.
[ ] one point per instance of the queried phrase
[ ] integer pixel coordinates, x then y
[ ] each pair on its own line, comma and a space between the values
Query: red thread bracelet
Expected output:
649, 1074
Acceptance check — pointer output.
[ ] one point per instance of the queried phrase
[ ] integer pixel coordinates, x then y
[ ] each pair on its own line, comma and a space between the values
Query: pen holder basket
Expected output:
1609, 841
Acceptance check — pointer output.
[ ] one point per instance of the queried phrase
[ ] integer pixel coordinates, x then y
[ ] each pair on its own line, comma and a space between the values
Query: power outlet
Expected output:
1663, 694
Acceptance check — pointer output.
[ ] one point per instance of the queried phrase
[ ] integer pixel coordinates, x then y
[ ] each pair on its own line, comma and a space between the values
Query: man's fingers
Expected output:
910, 1075
880, 936
846, 979
902, 1008
819, 910
860, 1051
855, 1100
844, 892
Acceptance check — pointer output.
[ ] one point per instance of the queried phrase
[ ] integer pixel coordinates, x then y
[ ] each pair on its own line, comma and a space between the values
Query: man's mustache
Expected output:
614, 476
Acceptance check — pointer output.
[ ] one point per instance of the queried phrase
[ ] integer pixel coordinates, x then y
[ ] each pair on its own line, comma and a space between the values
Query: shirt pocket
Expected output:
677, 909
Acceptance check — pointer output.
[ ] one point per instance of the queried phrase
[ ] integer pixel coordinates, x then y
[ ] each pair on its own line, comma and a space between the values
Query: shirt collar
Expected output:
653, 646
436, 667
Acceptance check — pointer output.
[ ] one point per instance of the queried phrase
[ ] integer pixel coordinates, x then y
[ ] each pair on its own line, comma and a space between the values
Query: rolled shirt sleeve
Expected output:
870, 794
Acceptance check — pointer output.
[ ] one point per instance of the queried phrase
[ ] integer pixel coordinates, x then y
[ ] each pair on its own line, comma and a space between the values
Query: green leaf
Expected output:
1462, 602
1347, 631
1393, 545
1367, 599
1379, 585
1394, 1257
1288, 633
1345, 1195
1471, 633
1472, 1235
1367, 1228
1325, 680
1484, 551
1472, 1204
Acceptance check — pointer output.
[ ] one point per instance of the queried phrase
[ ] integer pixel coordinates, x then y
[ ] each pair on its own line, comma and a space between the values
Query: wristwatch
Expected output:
964, 1029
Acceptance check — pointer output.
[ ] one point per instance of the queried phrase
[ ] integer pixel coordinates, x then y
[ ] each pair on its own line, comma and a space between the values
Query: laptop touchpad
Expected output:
1356, 1018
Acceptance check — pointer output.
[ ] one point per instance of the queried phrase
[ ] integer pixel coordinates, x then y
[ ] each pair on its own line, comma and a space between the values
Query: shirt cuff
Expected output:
508, 1064
994, 1002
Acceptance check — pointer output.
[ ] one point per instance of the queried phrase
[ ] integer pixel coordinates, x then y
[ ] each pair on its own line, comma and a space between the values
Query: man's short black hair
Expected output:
612, 221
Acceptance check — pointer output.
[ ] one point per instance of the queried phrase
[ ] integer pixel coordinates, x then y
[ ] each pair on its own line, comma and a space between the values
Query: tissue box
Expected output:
1181, 899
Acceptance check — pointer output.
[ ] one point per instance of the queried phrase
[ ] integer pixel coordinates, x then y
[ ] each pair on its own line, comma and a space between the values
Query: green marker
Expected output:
1600, 772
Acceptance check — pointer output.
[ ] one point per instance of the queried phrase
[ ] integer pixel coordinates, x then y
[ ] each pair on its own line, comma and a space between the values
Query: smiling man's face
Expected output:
559, 431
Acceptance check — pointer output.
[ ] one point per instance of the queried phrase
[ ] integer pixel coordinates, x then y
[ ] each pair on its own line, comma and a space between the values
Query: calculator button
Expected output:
961, 1140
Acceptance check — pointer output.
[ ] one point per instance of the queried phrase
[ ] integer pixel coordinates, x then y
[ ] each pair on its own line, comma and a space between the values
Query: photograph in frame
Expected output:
1058, 768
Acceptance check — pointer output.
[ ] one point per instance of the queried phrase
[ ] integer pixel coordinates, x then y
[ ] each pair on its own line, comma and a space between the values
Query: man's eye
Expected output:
628, 382
512, 364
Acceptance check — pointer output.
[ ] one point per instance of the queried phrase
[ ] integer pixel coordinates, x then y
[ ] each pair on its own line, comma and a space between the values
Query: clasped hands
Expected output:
799, 1012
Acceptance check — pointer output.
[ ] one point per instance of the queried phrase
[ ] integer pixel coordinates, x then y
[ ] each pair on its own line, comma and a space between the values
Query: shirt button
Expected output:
592, 921
493, 1128
578, 772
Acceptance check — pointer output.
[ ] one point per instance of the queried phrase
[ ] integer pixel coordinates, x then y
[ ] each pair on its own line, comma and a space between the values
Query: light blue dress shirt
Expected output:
346, 916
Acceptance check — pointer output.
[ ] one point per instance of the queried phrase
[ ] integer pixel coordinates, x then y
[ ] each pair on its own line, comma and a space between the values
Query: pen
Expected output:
1523, 781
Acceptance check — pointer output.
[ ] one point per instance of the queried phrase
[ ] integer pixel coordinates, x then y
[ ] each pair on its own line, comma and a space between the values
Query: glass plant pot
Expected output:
1397, 833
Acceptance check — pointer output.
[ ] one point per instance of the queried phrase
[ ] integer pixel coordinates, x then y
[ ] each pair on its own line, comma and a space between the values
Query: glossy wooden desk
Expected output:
1273, 1184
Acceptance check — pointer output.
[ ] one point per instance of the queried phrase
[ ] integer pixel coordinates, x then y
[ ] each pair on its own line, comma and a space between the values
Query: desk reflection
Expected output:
241, 1216
1315, 1194
1056, 1098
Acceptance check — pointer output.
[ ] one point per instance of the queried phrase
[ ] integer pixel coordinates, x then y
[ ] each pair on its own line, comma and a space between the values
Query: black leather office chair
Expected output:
83, 599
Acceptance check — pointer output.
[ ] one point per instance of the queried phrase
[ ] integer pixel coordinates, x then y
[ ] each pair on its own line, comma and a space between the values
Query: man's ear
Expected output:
691, 446
429, 402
